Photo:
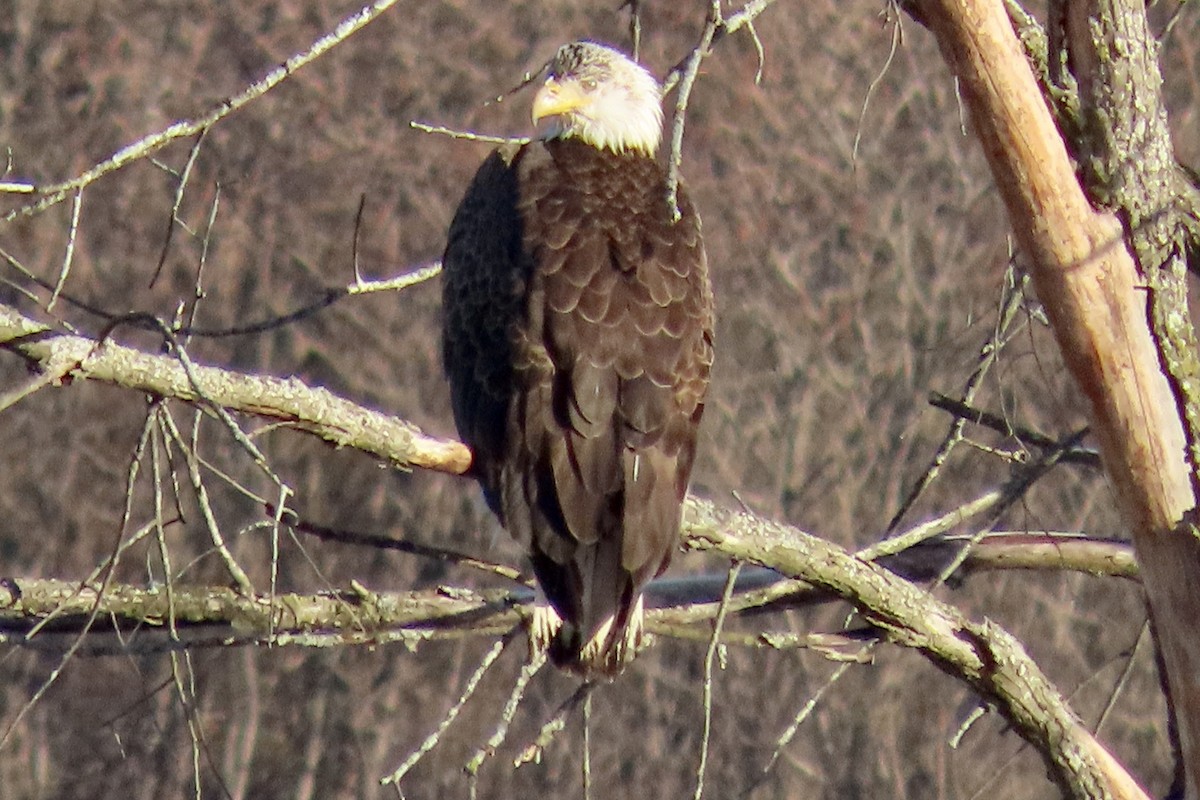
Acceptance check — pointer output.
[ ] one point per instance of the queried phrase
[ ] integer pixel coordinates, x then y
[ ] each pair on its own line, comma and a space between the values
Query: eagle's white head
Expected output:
598, 94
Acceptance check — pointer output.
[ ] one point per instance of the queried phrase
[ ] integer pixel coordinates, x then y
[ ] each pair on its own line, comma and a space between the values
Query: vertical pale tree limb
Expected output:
1087, 278
1129, 165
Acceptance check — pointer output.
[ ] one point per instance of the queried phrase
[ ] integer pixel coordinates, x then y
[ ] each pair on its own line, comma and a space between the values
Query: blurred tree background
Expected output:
860, 257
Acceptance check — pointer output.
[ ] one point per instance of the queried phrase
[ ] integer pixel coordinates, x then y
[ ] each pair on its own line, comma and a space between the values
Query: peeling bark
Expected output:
1123, 331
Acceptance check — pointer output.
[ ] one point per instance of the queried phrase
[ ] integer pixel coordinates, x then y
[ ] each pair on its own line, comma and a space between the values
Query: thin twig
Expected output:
709, 657
327, 299
358, 220
404, 546
435, 736
1123, 679
789, 733
995, 501
173, 219
105, 570
744, 17
687, 80
284, 492
1171, 22
759, 51
1013, 490
143, 147
1005, 427
989, 353
469, 136
189, 716
533, 752
411, 278
206, 513
897, 33
683, 76
93, 612
977, 713
493, 743
934, 527
38, 381
635, 25
587, 748
205, 243
72, 230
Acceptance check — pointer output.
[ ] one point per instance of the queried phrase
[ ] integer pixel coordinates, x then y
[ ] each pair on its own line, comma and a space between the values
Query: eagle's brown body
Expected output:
578, 343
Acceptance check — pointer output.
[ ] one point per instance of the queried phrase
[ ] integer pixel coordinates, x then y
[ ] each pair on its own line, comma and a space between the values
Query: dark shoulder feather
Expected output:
484, 281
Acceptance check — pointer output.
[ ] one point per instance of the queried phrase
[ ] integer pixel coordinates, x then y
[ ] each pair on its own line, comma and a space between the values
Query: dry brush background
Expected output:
859, 261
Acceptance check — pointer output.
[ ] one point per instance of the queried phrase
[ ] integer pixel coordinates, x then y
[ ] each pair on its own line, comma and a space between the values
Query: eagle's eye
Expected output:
589, 84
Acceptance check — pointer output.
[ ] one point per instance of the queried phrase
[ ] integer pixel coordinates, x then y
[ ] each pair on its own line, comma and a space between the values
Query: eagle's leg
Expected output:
609, 651
603, 656
544, 625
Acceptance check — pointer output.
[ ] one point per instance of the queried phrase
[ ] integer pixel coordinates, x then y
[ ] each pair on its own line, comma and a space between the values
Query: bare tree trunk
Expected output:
1084, 263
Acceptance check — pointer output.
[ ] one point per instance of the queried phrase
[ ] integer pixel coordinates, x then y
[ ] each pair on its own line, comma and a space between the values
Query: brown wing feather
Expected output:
484, 287
578, 343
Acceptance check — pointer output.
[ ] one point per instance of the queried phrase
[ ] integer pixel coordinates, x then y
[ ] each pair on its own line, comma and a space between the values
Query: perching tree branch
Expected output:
981, 653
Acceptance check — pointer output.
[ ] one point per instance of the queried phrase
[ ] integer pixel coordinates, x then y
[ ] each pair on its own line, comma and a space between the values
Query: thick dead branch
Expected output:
1016, 550
54, 615
1129, 165
1087, 279
680, 608
1083, 273
984, 655
314, 410
224, 616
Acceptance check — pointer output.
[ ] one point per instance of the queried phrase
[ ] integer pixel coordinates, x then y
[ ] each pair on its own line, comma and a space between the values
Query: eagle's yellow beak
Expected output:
555, 99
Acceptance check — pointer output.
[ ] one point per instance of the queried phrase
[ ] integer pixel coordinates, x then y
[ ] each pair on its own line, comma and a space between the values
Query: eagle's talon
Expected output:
544, 624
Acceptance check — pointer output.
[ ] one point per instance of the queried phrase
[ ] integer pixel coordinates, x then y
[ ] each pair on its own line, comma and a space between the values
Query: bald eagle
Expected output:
577, 341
